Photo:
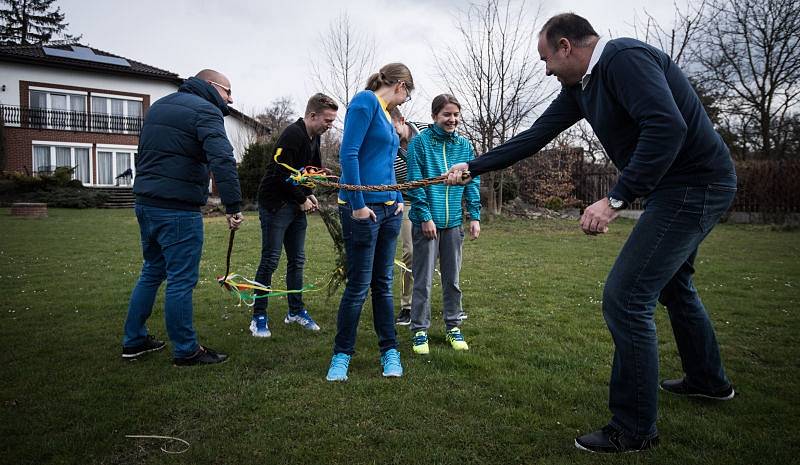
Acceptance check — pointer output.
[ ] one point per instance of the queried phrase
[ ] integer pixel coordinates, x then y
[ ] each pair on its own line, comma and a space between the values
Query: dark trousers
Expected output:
172, 242
284, 227
370, 249
656, 264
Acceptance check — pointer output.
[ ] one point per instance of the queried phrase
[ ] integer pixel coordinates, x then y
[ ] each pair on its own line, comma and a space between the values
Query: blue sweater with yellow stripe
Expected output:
431, 154
369, 146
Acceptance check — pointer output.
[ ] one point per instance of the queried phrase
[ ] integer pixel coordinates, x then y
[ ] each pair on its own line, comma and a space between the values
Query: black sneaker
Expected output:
150, 344
681, 388
404, 319
610, 440
203, 356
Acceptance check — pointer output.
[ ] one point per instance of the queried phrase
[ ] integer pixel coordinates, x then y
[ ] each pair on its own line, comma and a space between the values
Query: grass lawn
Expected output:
535, 376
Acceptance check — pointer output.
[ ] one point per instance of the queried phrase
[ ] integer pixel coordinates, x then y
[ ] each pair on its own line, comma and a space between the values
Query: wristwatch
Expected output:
615, 204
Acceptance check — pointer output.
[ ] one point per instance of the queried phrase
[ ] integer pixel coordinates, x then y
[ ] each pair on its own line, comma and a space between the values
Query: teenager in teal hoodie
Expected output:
436, 214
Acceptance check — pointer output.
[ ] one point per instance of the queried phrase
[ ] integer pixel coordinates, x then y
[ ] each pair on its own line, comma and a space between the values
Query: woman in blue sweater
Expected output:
370, 220
436, 216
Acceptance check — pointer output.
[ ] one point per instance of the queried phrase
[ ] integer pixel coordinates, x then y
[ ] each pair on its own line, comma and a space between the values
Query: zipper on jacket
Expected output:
446, 188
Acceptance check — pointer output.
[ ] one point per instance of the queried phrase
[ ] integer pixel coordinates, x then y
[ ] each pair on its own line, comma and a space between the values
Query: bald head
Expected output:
219, 81
211, 75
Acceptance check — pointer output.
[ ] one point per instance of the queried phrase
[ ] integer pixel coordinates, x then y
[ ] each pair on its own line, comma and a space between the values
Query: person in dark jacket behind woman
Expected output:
183, 137
282, 208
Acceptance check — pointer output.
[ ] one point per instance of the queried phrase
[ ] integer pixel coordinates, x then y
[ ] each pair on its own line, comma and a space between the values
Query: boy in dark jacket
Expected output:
282, 209
183, 137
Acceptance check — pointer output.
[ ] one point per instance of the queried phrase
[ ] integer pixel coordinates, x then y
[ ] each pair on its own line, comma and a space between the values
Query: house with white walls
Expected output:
78, 106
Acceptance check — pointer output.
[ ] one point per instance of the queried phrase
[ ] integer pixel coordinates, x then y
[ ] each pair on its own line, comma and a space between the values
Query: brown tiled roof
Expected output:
34, 54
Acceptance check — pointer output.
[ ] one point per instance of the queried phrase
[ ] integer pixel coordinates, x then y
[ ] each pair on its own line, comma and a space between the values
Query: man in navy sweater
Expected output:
655, 130
182, 139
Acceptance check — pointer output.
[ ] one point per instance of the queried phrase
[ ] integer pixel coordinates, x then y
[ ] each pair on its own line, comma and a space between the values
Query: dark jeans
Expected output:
370, 249
284, 227
656, 264
172, 242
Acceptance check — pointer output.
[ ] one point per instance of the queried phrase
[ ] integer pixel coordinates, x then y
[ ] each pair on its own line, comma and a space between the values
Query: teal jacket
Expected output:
431, 154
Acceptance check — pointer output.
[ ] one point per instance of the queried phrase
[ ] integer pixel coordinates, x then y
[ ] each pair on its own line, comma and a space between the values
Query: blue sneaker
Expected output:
391, 364
303, 319
338, 369
259, 327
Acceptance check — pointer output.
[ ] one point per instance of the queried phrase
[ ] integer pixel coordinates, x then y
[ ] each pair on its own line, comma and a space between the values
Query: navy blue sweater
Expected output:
645, 113
183, 135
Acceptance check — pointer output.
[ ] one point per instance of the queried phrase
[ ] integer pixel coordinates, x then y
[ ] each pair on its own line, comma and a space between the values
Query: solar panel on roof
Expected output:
85, 54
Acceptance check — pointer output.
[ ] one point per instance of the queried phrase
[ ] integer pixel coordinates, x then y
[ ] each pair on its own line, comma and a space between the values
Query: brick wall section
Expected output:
19, 144
30, 210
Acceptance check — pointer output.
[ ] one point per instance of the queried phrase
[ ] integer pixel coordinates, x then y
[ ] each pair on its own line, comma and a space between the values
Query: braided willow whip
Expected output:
311, 176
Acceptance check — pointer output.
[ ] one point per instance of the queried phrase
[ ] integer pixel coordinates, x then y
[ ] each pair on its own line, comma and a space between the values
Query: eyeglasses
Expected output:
226, 89
408, 92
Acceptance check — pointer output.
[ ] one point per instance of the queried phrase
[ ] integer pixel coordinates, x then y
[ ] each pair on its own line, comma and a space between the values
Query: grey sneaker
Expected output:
303, 319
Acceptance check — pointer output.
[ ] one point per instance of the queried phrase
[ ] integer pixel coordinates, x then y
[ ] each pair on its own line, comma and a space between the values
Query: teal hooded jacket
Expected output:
431, 154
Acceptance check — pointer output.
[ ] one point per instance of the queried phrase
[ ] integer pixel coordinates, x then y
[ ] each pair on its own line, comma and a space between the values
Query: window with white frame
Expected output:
57, 109
115, 166
116, 114
46, 158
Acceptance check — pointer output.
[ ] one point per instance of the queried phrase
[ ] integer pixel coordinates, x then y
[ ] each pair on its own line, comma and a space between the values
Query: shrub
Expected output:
253, 166
549, 175
57, 191
554, 203
63, 175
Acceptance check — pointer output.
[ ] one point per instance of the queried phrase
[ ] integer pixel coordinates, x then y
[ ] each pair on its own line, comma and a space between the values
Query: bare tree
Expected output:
495, 72
749, 58
675, 39
279, 115
346, 60
582, 135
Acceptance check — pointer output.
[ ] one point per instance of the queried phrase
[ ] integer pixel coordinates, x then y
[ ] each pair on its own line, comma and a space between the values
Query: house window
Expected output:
115, 167
46, 158
116, 114
57, 110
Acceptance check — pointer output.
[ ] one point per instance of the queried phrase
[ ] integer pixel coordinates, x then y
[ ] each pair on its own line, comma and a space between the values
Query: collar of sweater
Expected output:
441, 134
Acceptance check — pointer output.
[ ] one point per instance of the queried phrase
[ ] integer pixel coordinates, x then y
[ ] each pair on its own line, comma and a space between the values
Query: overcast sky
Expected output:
265, 47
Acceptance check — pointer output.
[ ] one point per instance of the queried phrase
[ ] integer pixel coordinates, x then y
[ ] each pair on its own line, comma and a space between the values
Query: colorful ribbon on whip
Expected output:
245, 289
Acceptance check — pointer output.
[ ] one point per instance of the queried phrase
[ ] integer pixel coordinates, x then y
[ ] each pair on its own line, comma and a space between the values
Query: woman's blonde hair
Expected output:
390, 75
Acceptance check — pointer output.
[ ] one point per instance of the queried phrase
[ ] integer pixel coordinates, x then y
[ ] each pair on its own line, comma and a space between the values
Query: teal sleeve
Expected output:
419, 199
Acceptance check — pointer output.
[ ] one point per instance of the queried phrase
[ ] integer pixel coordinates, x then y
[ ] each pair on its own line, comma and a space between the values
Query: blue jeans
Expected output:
656, 264
172, 242
370, 249
284, 227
